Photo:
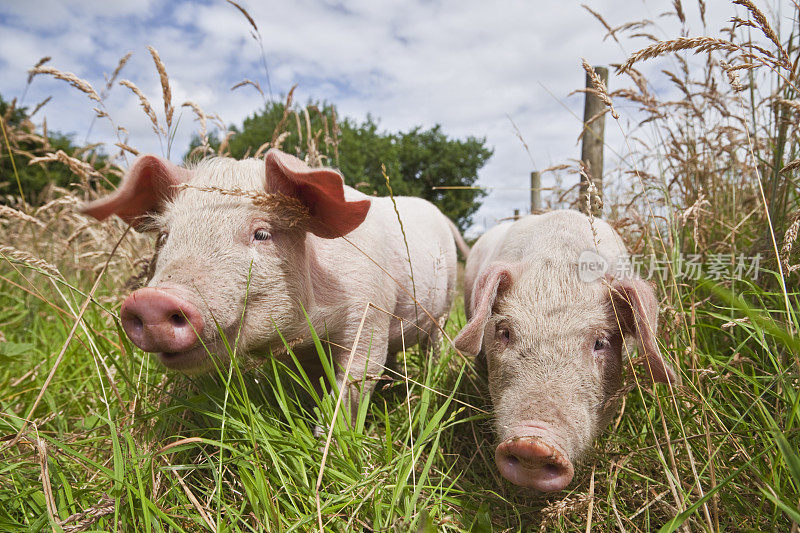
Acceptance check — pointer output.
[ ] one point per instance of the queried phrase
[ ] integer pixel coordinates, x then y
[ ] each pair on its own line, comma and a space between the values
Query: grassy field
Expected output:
95, 436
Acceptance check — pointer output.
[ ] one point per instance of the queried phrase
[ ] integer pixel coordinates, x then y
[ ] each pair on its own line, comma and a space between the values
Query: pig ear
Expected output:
495, 279
636, 308
321, 190
144, 190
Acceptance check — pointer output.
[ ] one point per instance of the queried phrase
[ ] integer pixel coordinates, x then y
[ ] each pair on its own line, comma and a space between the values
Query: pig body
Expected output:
249, 270
554, 336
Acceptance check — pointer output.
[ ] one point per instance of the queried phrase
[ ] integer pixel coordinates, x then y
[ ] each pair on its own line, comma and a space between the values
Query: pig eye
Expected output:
503, 335
261, 235
162, 238
601, 344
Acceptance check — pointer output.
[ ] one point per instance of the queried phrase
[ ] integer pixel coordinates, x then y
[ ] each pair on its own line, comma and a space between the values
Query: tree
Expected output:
25, 144
415, 161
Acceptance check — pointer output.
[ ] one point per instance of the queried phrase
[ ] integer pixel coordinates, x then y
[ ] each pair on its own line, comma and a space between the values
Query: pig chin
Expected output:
194, 361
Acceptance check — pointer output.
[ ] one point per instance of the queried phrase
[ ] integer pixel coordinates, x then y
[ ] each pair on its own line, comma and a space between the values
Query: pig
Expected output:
251, 248
552, 314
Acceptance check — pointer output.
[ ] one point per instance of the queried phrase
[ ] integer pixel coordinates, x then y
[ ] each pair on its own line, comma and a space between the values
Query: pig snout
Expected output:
159, 321
531, 458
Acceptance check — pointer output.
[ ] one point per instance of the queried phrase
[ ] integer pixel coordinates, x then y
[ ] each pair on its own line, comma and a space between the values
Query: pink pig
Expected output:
250, 268
553, 314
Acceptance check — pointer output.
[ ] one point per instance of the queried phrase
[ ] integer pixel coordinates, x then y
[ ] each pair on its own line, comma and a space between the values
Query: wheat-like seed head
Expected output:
788, 240
165, 88
10, 212
116, 72
559, 509
244, 12
39, 106
82, 85
790, 166
286, 209
698, 44
763, 24
81, 168
202, 117
38, 64
9, 253
145, 103
124, 147
599, 87
250, 82
733, 76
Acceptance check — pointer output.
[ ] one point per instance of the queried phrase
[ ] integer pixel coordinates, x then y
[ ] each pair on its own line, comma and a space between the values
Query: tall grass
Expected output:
95, 436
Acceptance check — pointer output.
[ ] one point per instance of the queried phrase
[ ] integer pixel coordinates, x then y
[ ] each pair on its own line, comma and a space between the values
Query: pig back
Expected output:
424, 258
560, 236
371, 264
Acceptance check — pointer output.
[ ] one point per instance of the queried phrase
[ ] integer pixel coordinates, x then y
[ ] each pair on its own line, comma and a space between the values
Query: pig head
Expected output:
226, 266
555, 343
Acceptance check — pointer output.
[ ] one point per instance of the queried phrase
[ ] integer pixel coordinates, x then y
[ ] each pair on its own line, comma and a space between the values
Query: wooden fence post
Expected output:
516, 214
536, 192
593, 140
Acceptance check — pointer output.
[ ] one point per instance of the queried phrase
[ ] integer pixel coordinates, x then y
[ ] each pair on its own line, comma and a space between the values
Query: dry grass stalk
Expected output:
252, 83
11, 254
278, 143
561, 508
224, 143
38, 64
698, 44
82, 85
145, 103
261, 149
287, 109
733, 76
116, 72
593, 200
202, 118
791, 166
127, 148
61, 200
788, 240
556, 168
39, 106
244, 12
165, 88
84, 520
10, 212
763, 24
599, 87
47, 489
77, 166
288, 210
679, 11
611, 32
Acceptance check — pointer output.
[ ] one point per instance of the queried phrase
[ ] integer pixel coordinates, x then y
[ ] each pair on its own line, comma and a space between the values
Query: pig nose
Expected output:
533, 463
159, 321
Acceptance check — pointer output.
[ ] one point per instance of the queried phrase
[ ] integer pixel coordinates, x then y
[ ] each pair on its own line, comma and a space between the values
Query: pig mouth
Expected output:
535, 462
190, 361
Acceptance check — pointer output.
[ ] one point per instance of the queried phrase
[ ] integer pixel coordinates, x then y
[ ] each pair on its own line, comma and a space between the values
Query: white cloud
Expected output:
464, 64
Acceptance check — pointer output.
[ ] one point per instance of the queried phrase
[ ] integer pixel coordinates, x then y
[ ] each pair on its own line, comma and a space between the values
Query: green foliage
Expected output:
416, 160
34, 178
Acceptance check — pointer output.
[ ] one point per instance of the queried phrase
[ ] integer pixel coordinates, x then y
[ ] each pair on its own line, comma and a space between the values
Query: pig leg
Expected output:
367, 364
433, 340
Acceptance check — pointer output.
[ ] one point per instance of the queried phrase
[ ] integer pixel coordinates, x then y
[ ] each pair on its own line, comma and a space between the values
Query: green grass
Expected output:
135, 449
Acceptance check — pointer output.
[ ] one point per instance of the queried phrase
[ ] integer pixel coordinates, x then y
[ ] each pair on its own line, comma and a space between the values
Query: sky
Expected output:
471, 66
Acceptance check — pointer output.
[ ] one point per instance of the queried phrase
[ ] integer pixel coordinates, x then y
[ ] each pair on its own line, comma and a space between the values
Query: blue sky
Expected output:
467, 65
